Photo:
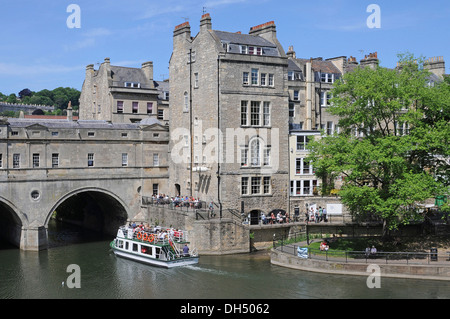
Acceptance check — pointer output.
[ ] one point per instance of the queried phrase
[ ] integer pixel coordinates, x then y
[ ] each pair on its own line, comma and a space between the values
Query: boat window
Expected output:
127, 245
158, 251
120, 244
146, 250
135, 247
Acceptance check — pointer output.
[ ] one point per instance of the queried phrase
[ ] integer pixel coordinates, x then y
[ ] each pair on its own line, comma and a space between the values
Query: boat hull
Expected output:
183, 261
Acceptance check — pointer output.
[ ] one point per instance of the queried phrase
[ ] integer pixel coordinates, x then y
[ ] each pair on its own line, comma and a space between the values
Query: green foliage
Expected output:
387, 170
58, 97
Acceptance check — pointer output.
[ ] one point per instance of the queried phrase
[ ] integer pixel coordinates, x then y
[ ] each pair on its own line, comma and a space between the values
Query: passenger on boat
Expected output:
186, 250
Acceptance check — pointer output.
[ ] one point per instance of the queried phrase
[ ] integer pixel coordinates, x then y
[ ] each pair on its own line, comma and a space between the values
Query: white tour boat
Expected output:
161, 247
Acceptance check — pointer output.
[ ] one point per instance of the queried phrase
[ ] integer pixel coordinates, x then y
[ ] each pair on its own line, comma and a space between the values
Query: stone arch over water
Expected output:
94, 208
11, 222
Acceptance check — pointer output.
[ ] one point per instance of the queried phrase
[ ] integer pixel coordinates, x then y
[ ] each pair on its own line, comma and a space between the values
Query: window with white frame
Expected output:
302, 142
16, 160
266, 161
271, 80
327, 77
132, 85
291, 109
196, 80
244, 113
296, 95
255, 76
258, 114
325, 98
244, 49
90, 159
255, 114
245, 78
256, 185
124, 159
55, 160
135, 107
119, 106
302, 167
402, 128
303, 187
263, 79
36, 159
244, 156
244, 186
156, 159
330, 127
266, 113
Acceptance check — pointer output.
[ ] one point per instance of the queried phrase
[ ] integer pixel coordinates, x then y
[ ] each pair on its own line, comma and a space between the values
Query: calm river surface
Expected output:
245, 276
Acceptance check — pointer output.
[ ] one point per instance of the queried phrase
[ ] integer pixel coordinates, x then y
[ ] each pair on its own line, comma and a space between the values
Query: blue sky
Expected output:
38, 50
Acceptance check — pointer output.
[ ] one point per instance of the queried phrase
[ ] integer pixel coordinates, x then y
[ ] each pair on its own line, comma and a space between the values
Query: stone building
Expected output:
123, 94
228, 118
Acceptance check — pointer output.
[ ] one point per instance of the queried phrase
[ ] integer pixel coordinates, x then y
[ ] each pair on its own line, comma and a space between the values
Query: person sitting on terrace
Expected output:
279, 218
324, 246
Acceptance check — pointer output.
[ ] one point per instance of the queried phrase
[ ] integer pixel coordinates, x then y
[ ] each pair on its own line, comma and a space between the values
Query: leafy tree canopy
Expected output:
393, 147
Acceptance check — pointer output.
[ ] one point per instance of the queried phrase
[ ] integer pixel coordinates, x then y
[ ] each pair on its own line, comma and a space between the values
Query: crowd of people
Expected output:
160, 233
279, 218
316, 215
177, 201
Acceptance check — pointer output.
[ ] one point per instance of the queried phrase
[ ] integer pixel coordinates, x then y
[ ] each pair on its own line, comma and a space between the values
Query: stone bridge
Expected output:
99, 199
91, 173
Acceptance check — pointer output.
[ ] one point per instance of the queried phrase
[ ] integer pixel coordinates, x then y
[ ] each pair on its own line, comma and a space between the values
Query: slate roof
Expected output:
236, 39
121, 74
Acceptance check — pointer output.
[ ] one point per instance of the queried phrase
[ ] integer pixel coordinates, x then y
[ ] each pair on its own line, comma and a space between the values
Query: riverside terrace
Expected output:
211, 210
417, 265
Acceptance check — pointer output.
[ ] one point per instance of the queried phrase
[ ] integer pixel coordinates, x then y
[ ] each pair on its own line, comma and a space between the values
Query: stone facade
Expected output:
229, 132
47, 163
122, 95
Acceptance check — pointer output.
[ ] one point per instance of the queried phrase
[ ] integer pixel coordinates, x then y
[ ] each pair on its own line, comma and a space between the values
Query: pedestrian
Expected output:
186, 250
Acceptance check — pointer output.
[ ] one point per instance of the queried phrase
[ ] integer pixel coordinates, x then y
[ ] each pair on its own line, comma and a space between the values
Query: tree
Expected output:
393, 142
25, 92
12, 98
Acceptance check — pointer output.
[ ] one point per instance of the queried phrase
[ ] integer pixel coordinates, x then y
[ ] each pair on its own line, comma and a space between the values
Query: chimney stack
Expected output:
205, 22
435, 65
370, 60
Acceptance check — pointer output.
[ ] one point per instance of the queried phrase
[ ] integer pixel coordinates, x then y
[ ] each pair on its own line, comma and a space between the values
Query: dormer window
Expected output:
136, 85
255, 50
293, 75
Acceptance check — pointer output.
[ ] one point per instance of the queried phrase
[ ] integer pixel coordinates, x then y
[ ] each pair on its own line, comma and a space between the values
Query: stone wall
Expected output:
436, 272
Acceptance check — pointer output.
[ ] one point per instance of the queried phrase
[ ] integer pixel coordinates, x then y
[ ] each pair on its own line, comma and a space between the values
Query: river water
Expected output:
44, 275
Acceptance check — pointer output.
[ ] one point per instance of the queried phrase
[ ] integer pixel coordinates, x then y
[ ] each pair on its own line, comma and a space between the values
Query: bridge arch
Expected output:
12, 220
91, 207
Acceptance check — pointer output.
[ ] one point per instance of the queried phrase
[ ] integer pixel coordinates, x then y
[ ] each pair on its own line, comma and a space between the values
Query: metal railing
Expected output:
408, 257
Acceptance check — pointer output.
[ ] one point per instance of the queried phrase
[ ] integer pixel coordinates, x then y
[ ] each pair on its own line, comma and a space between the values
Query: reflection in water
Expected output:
103, 275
